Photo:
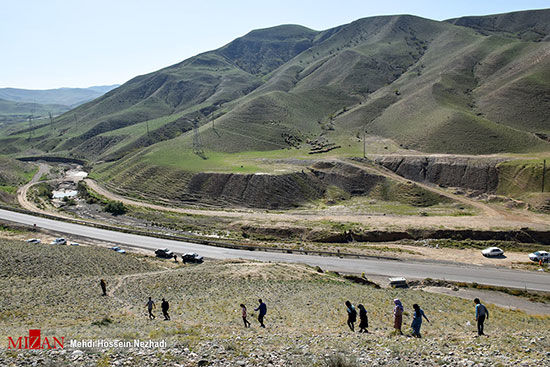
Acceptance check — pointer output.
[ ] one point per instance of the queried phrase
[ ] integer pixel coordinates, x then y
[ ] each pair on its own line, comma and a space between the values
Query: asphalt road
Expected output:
408, 269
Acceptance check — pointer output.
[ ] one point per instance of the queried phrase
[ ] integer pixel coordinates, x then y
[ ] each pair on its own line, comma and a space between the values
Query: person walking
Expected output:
482, 313
150, 305
243, 311
263, 310
103, 286
363, 319
164, 307
398, 315
175, 258
352, 315
417, 320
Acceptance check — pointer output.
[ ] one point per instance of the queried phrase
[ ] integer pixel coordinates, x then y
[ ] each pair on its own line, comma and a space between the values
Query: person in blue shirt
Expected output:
263, 310
417, 320
352, 315
482, 313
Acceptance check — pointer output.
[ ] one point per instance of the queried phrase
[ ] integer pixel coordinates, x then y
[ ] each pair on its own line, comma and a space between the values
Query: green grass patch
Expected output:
520, 176
8, 189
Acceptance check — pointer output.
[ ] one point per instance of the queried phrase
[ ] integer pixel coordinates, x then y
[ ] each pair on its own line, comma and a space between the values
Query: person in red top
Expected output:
398, 315
246, 322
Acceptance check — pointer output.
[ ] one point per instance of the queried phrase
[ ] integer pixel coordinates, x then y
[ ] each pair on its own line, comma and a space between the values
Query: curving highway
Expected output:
408, 269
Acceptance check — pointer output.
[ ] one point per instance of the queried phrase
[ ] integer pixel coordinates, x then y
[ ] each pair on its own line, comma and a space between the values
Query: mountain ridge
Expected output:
435, 86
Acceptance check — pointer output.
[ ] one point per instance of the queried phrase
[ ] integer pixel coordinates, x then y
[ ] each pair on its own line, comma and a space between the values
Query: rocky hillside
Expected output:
305, 322
479, 174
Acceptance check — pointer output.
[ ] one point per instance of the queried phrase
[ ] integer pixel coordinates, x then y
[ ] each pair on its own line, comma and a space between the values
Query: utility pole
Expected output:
197, 143
30, 120
543, 173
365, 144
75, 121
147, 122
30, 128
51, 120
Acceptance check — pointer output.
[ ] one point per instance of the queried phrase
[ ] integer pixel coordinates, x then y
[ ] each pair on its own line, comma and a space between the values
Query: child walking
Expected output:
246, 322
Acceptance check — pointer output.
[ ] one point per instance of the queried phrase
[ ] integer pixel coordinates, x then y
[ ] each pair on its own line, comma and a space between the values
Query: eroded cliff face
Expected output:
253, 190
465, 172
246, 190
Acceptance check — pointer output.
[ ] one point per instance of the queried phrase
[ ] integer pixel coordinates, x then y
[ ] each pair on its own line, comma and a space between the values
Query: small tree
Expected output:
115, 208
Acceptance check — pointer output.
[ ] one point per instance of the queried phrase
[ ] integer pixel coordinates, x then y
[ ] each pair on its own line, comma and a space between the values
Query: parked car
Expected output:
59, 241
118, 249
398, 282
492, 252
165, 253
192, 257
75, 244
33, 240
540, 255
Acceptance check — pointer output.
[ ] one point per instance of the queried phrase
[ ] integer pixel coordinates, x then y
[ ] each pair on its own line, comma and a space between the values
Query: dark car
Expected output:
164, 253
192, 257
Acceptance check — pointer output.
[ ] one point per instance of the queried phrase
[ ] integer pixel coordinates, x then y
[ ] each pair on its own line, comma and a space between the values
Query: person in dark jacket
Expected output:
103, 286
363, 319
150, 306
482, 313
417, 320
263, 310
352, 315
164, 307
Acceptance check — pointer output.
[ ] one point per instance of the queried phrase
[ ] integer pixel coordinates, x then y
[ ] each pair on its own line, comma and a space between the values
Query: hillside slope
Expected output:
64, 96
11, 111
473, 85
17, 105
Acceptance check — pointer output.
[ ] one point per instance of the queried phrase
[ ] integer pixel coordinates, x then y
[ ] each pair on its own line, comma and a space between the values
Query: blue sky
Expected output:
76, 43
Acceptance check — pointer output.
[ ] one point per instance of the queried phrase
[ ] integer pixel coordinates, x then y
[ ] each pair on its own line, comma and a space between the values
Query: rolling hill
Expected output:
71, 97
472, 85
11, 111
18, 105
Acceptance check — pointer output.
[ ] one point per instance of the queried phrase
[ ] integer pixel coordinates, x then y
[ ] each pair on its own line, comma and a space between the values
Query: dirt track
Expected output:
23, 190
492, 218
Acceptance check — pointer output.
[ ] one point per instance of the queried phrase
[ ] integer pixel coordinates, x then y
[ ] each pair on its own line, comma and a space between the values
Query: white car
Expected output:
33, 240
59, 241
539, 255
75, 244
492, 251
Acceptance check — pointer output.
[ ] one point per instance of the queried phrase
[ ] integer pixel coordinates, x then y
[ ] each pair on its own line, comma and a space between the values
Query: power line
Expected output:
197, 143
51, 120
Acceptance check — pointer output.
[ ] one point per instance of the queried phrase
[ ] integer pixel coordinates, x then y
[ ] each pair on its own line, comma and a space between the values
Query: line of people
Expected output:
397, 318
481, 314
262, 311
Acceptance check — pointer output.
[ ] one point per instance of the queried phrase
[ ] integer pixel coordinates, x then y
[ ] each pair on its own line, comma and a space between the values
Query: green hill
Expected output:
18, 105
472, 85
11, 111
531, 25
71, 97
13, 174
